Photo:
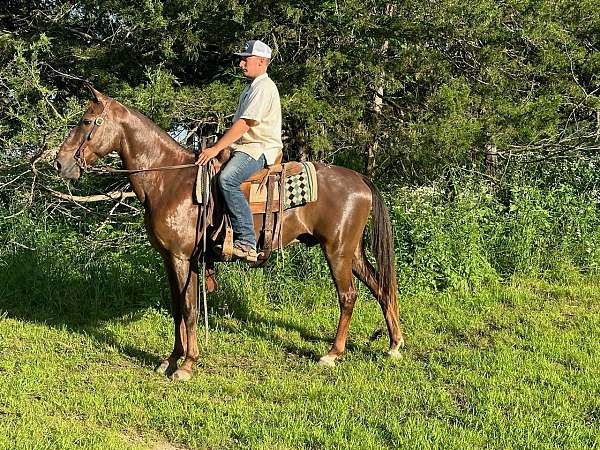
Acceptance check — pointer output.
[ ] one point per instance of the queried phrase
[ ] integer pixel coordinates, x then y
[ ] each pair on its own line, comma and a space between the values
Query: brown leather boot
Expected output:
244, 252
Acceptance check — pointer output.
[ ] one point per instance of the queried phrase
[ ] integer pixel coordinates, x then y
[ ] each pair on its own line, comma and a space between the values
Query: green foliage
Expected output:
545, 229
521, 76
157, 98
443, 244
82, 326
463, 237
28, 114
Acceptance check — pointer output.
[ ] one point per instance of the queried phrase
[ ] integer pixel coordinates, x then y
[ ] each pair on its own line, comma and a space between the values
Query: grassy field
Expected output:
513, 365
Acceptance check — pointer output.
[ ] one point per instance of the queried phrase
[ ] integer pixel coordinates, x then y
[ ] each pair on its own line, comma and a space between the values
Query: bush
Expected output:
465, 236
441, 243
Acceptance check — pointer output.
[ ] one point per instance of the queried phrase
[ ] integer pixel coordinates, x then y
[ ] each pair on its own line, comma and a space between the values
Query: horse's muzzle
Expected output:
66, 167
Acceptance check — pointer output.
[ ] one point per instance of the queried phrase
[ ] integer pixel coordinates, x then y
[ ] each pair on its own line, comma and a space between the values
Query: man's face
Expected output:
252, 66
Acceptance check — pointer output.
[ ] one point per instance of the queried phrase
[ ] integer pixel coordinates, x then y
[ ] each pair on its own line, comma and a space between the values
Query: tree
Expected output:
432, 84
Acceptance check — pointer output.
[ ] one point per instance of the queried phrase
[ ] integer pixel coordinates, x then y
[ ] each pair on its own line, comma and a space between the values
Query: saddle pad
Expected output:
302, 188
299, 189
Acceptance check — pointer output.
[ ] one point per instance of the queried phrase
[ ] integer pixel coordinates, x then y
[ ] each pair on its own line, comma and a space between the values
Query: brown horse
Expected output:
336, 221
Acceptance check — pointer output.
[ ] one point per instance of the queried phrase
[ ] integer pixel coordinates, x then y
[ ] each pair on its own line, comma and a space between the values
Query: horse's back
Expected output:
339, 185
343, 204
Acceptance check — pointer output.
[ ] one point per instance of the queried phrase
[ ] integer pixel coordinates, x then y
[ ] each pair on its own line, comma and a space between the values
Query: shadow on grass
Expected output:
83, 292
228, 301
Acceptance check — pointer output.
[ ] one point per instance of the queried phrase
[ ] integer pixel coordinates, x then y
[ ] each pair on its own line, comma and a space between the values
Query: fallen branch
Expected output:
20, 245
2, 186
115, 195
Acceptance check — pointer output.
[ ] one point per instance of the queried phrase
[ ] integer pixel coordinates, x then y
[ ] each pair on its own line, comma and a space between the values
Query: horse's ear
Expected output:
97, 95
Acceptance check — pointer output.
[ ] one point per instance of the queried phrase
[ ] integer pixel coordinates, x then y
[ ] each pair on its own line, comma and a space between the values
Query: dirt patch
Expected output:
169, 446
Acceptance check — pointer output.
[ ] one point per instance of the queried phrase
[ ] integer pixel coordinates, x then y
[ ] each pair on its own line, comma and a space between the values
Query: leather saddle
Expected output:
261, 190
256, 188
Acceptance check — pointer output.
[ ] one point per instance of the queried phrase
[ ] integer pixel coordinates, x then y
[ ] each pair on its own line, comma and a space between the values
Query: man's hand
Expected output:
236, 131
206, 155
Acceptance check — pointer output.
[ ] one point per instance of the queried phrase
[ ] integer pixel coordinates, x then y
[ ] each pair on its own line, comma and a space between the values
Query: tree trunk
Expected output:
375, 117
491, 160
372, 147
301, 144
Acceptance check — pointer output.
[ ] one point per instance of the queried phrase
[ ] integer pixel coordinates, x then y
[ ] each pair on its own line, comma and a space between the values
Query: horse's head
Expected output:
96, 134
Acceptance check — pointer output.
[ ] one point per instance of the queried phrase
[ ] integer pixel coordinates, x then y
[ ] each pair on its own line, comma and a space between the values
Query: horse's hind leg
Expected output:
340, 264
366, 273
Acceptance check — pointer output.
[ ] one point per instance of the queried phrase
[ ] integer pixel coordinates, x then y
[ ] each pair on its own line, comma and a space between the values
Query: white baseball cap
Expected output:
255, 48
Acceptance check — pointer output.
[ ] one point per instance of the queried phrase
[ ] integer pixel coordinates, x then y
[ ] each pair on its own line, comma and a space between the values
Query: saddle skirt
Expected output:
299, 187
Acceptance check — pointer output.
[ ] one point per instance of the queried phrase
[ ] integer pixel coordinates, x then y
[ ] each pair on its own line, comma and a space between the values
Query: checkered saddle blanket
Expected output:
299, 188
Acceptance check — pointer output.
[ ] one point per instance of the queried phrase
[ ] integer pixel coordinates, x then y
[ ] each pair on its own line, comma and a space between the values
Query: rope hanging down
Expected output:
203, 198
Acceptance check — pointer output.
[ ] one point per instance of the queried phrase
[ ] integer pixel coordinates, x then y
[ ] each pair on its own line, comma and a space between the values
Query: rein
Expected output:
205, 178
151, 169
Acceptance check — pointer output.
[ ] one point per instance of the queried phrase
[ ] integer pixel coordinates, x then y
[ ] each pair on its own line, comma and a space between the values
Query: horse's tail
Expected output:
382, 245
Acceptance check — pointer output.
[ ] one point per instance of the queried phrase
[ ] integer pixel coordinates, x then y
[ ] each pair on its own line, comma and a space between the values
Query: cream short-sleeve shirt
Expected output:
260, 102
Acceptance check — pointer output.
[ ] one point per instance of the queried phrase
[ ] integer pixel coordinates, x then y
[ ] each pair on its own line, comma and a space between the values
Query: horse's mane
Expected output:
165, 137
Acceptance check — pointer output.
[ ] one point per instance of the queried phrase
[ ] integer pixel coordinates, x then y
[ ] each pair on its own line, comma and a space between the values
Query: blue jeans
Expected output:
238, 169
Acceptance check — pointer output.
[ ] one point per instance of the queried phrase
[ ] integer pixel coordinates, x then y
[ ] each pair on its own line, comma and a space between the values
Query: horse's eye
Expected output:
86, 121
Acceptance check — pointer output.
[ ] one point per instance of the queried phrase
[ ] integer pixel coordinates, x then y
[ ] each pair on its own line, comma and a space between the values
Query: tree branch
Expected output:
115, 195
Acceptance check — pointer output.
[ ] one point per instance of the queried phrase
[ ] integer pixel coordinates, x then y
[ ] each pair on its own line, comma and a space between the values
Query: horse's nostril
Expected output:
57, 166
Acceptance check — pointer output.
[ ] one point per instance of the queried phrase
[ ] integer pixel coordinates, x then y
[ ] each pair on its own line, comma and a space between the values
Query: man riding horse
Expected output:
163, 176
255, 140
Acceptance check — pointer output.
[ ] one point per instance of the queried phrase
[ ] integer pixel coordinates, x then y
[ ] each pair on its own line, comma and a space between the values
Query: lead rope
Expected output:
205, 180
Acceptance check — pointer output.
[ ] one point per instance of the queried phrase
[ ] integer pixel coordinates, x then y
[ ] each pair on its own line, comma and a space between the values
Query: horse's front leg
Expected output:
190, 319
184, 309
169, 365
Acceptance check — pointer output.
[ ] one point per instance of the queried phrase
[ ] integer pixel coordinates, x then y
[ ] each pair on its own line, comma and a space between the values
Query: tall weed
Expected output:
441, 241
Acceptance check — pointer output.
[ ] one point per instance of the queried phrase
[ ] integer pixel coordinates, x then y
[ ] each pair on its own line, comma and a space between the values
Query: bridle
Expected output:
79, 154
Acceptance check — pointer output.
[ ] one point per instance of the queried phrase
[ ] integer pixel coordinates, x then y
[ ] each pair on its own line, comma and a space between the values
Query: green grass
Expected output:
510, 366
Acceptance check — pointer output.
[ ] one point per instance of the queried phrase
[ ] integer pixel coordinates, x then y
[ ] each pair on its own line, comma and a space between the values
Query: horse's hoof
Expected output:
327, 361
165, 368
394, 354
181, 375
401, 342
162, 367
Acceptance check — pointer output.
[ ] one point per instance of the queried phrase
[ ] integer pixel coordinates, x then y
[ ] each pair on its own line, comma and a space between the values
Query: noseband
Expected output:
79, 155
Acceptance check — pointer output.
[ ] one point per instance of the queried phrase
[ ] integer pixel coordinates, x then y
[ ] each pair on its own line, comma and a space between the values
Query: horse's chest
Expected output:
171, 229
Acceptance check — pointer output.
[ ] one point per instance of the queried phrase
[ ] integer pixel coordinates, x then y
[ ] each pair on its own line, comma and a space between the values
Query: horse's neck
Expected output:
145, 146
